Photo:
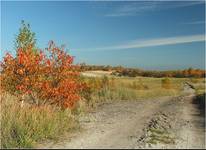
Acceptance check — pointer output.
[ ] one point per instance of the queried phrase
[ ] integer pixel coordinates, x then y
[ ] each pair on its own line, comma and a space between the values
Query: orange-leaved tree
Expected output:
48, 74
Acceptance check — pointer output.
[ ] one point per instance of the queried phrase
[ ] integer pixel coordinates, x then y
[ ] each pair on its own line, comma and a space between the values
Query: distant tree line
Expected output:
133, 72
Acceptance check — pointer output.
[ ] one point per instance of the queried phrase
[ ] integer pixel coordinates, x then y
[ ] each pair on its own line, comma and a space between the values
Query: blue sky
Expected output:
144, 34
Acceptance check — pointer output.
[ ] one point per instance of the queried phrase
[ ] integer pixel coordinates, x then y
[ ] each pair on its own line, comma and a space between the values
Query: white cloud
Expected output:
152, 42
130, 9
134, 8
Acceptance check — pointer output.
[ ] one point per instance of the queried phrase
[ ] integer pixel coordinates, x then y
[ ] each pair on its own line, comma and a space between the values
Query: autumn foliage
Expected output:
47, 75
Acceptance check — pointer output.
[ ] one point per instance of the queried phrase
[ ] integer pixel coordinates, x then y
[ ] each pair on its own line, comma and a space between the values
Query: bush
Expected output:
97, 86
138, 85
166, 83
51, 70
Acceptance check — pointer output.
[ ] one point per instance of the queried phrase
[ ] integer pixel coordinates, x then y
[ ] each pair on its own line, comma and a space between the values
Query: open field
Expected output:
132, 88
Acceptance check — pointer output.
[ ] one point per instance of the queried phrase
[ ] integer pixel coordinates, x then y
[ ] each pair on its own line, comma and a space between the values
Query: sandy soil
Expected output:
97, 73
127, 124
192, 133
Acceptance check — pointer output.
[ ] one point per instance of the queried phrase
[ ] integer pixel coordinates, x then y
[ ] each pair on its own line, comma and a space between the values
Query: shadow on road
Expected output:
200, 101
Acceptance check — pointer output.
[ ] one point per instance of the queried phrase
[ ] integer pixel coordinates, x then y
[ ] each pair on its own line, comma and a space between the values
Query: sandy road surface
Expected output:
122, 124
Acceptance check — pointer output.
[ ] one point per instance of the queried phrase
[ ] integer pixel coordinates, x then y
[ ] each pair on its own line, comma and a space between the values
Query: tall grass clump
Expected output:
166, 83
23, 127
138, 85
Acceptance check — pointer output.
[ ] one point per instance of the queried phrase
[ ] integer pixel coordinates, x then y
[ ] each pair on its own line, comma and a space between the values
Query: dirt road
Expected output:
134, 124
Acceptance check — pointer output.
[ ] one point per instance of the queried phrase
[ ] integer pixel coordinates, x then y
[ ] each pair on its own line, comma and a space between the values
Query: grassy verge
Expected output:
23, 127
199, 86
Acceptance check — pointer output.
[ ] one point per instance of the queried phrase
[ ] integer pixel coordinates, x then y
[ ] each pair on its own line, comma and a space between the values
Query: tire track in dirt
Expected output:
114, 125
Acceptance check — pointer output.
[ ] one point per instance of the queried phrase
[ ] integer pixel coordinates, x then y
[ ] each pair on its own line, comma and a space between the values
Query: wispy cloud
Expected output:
134, 8
153, 42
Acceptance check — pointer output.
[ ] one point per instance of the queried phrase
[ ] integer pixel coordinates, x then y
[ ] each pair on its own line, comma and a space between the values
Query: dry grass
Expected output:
22, 127
130, 88
199, 85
